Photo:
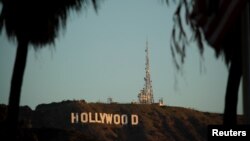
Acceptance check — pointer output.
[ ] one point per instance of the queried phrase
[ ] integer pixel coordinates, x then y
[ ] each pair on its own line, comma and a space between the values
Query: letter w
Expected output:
109, 118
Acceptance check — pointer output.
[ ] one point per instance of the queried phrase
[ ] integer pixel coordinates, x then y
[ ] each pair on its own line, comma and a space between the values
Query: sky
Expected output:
102, 55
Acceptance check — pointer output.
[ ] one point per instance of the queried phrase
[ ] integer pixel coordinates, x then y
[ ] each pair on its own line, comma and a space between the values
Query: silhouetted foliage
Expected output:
179, 38
38, 21
189, 12
35, 22
227, 43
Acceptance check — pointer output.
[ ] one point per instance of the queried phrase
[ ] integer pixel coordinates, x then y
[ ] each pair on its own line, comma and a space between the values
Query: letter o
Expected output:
124, 119
84, 117
116, 119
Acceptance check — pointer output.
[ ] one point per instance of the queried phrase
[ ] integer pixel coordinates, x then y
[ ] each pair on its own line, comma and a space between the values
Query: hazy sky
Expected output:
102, 55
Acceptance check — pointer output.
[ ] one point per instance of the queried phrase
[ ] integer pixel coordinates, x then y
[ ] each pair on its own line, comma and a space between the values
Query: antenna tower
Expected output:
146, 94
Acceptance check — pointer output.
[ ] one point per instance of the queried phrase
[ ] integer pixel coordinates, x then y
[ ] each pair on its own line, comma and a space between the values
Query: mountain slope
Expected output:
154, 122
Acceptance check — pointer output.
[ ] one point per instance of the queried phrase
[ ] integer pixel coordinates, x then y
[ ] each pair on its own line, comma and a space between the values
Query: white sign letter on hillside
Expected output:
124, 119
90, 118
97, 119
84, 117
134, 119
109, 118
74, 117
116, 119
102, 116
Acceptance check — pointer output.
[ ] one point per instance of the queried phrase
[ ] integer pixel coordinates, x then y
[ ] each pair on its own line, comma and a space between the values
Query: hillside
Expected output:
54, 122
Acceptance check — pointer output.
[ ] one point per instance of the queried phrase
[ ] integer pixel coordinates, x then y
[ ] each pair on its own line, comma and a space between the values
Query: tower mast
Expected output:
146, 94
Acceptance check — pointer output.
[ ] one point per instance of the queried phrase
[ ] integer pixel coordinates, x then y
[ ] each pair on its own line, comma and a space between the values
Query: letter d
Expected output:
134, 119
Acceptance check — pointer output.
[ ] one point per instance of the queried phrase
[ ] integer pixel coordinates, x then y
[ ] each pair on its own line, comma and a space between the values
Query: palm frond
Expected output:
1, 21
39, 21
179, 38
1, 17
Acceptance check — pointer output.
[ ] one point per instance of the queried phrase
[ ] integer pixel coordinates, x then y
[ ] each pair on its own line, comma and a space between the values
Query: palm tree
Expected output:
203, 17
34, 22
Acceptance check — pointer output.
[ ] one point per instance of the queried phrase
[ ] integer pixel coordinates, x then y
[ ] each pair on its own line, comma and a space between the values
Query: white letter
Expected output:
124, 119
244, 133
214, 132
235, 133
84, 117
102, 116
134, 119
116, 119
90, 118
221, 133
97, 119
109, 118
74, 117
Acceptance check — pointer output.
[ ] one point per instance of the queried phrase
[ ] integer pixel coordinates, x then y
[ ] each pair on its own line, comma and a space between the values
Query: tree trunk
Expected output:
235, 72
16, 85
246, 61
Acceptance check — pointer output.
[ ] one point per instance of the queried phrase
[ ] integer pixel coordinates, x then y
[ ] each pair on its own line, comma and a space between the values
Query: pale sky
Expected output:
101, 55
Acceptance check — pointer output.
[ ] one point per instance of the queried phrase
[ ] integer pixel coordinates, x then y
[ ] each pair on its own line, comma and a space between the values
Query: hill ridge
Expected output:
154, 122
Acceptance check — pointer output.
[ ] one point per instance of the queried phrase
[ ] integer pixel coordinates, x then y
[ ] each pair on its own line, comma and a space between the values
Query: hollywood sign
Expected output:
104, 118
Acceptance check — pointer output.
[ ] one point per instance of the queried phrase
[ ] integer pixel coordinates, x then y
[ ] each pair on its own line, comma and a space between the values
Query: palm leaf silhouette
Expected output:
227, 43
35, 22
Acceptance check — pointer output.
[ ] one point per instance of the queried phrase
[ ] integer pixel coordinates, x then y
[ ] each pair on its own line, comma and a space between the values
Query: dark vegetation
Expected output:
52, 122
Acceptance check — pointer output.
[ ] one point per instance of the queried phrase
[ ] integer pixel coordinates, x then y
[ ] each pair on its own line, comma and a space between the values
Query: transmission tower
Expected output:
146, 94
